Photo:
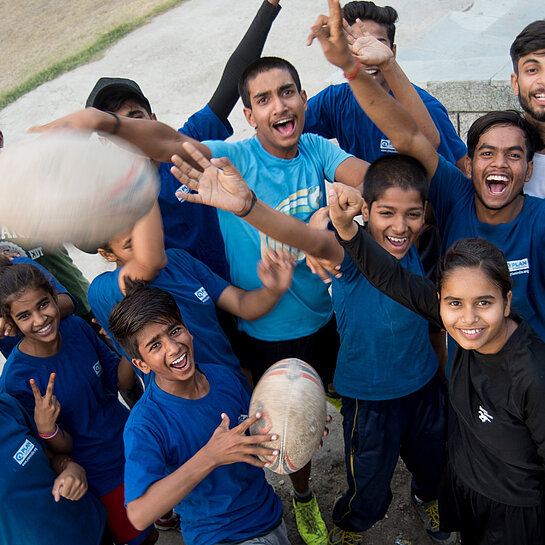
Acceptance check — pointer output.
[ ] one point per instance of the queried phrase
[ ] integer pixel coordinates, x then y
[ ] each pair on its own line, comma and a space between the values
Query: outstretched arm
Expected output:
248, 50
226, 446
391, 117
222, 186
157, 140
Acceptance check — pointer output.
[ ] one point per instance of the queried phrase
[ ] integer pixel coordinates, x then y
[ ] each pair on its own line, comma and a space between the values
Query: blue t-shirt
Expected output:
86, 387
195, 289
194, 227
234, 502
453, 198
295, 187
29, 512
335, 113
385, 348
8, 343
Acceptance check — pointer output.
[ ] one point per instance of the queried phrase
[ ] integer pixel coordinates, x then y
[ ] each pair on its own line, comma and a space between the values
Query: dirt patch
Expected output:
38, 33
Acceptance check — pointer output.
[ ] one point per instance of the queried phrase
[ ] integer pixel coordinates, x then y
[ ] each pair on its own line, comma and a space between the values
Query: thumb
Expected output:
225, 421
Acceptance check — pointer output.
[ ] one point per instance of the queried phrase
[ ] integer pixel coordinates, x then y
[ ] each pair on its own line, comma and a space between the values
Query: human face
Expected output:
378, 31
395, 219
529, 84
131, 108
121, 249
474, 311
277, 112
499, 169
167, 350
36, 314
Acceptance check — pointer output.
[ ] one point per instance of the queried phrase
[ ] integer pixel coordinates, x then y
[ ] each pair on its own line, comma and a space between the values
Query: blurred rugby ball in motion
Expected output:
291, 398
74, 186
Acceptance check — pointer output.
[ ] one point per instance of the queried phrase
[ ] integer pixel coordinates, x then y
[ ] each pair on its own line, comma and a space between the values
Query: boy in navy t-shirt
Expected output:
179, 449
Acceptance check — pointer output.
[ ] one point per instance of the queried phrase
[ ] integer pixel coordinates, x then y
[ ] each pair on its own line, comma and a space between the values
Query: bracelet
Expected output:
64, 462
252, 204
49, 435
355, 72
117, 122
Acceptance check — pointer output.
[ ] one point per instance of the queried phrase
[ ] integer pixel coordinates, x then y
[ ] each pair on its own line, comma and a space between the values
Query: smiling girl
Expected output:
91, 419
493, 484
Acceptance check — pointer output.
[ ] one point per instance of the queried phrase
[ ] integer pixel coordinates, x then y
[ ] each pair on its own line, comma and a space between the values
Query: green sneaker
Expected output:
335, 400
429, 513
337, 536
310, 525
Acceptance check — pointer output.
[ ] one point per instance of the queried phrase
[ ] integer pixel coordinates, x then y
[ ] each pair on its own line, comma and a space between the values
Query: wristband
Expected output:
355, 71
64, 462
252, 204
117, 123
49, 435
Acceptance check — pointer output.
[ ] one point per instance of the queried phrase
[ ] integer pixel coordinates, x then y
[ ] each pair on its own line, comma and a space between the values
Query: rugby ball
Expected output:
74, 186
291, 398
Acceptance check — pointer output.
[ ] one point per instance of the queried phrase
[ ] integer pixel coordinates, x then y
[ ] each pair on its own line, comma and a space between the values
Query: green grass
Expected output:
84, 56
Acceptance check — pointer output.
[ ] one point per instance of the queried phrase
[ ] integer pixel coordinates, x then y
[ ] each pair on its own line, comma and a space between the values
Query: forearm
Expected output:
407, 95
253, 304
166, 493
61, 443
125, 374
65, 304
249, 49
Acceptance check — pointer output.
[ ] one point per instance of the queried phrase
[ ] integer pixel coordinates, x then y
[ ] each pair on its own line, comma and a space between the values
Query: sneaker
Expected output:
170, 523
429, 513
337, 536
335, 400
310, 525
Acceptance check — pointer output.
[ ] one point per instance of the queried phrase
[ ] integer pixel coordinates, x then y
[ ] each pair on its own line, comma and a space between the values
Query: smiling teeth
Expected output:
397, 239
282, 122
497, 178
471, 331
179, 360
371, 72
44, 329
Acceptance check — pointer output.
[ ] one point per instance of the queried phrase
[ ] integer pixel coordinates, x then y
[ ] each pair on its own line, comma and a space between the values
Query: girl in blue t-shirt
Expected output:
89, 421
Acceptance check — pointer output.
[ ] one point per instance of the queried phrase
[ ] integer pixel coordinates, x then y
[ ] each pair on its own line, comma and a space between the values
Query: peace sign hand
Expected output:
47, 407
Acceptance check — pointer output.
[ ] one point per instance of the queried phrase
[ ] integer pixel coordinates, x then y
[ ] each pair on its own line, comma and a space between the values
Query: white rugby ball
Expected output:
291, 398
73, 186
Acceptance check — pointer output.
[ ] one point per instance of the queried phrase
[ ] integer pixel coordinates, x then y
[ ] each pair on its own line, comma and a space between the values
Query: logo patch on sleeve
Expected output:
97, 368
202, 295
519, 266
25, 452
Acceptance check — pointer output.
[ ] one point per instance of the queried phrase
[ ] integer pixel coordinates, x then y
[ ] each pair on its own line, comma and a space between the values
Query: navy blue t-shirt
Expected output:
335, 113
86, 387
234, 502
29, 512
194, 227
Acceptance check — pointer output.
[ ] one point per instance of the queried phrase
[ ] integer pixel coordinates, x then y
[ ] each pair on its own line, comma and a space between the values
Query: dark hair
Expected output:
394, 170
264, 64
478, 253
112, 102
385, 16
532, 38
505, 117
15, 278
141, 306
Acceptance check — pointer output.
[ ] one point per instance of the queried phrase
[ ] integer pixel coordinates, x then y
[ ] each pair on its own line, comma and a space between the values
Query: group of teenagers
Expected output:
246, 258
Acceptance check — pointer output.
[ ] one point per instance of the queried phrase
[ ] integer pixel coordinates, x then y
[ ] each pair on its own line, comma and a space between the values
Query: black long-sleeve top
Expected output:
497, 447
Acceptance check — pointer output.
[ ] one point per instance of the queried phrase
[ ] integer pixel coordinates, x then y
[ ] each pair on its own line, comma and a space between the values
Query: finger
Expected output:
189, 197
225, 164
242, 427
35, 391
318, 29
183, 178
328, 418
57, 487
50, 386
196, 155
186, 168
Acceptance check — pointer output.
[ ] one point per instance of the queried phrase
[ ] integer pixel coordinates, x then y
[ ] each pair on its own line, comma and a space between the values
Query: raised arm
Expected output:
157, 140
219, 184
389, 115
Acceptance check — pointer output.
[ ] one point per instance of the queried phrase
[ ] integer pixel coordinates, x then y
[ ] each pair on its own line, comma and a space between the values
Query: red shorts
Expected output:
120, 526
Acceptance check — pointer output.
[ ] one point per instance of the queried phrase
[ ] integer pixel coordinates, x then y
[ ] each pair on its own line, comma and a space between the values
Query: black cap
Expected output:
105, 86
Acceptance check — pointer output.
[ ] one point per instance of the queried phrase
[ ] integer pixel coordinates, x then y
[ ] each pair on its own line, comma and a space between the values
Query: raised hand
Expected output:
344, 205
219, 184
229, 446
47, 408
71, 483
275, 270
367, 48
6, 329
329, 32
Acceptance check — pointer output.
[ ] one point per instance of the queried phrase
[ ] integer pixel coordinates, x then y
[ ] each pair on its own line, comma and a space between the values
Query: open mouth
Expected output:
497, 183
286, 127
371, 71
397, 242
181, 363
471, 333
539, 96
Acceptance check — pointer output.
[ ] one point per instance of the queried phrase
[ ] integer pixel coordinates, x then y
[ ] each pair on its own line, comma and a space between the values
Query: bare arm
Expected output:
391, 117
157, 140
125, 374
226, 446
65, 304
225, 188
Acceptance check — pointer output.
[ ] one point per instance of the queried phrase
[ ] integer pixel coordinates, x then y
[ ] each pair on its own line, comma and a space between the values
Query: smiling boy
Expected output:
179, 449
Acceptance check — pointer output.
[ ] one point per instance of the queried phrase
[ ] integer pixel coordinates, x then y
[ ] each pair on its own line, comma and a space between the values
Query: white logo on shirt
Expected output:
182, 189
484, 415
386, 146
25, 452
519, 266
97, 368
202, 295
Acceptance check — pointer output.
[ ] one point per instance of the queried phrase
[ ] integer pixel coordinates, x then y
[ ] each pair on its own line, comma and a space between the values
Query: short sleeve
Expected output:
331, 154
319, 114
206, 125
